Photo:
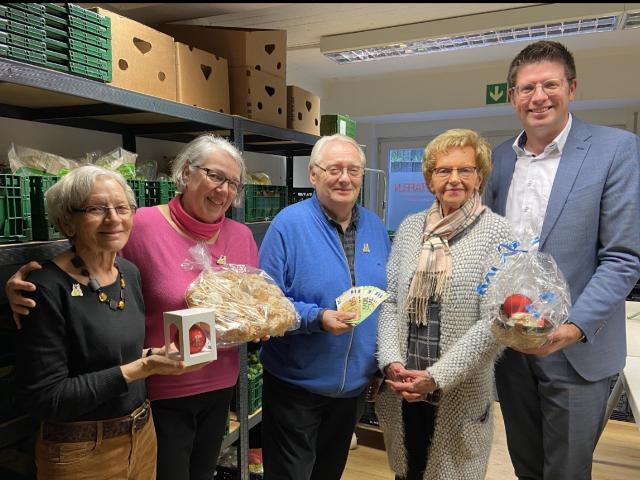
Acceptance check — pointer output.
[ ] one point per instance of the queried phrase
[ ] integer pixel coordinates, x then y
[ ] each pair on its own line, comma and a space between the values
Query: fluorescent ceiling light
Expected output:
473, 31
631, 20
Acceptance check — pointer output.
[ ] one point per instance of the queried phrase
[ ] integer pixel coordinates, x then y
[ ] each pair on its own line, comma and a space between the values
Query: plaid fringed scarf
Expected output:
434, 263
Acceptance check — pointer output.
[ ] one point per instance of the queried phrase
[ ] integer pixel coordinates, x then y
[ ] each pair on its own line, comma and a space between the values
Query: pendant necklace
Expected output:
95, 286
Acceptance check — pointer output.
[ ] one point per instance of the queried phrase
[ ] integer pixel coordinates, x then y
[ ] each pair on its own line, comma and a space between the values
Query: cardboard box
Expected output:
258, 96
143, 59
338, 123
202, 79
264, 50
303, 110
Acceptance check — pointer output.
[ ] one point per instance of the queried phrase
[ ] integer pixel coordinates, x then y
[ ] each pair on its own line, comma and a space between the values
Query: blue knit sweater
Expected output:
303, 254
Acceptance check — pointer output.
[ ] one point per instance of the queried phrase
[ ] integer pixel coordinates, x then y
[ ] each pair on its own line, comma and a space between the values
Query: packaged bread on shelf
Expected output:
248, 304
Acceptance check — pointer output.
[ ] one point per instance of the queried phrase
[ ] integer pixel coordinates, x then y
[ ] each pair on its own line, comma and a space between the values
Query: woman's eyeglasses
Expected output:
463, 172
218, 179
101, 211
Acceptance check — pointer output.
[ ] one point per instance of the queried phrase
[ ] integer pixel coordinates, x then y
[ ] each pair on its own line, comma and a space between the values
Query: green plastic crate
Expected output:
57, 45
89, 38
42, 229
15, 208
254, 392
12, 26
83, 47
34, 8
167, 190
90, 72
53, 9
338, 123
88, 15
22, 54
89, 60
13, 39
21, 16
56, 33
263, 202
56, 22
139, 191
90, 27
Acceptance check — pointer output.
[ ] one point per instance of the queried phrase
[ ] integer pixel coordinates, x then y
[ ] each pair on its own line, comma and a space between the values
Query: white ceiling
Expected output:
305, 23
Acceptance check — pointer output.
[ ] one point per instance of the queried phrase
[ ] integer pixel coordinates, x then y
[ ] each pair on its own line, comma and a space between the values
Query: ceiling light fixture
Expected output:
473, 31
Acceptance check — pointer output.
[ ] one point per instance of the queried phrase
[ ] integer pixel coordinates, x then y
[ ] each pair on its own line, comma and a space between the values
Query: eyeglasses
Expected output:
218, 179
335, 171
101, 211
549, 87
463, 172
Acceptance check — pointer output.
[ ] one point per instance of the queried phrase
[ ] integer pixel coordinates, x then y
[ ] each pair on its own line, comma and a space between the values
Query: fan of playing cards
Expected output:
360, 300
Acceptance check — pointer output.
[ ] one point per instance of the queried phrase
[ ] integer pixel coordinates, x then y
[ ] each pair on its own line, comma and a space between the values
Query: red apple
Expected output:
515, 303
197, 339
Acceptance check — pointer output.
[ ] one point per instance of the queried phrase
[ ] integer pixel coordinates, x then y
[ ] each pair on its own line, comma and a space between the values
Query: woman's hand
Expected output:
20, 305
157, 364
413, 385
393, 370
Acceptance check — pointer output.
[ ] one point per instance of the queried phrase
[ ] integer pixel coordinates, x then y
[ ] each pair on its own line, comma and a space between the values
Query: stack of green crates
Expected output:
263, 202
86, 35
15, 209
158, 192
66, 38
42, 229
338, 123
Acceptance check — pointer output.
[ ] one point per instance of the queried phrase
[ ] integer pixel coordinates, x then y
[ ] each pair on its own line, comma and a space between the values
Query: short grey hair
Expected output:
72, 190
196, 152
316, 152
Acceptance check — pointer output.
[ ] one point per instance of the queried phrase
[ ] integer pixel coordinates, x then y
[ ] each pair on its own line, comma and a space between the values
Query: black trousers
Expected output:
305, 436
418, 419
190, 432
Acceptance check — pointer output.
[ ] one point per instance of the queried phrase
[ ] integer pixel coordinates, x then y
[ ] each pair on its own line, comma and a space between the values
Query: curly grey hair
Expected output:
72, 190
196, 152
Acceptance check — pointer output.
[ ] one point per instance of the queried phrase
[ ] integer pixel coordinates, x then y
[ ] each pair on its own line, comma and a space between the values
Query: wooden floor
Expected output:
617, 456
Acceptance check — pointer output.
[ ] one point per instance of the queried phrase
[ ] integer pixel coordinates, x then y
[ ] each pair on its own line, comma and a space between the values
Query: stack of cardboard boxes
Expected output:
257, 67
229, 70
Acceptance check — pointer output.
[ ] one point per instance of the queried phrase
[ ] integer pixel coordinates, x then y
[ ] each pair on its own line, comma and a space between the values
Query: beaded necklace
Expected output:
95, 286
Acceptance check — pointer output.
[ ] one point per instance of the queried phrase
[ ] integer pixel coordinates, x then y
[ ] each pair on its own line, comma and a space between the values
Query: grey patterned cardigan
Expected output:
464, 426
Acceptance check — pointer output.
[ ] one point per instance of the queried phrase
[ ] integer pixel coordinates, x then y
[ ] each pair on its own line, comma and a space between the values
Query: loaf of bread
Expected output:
248, 305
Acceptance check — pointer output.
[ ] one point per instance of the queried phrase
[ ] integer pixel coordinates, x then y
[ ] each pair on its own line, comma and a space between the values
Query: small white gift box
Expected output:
184, 321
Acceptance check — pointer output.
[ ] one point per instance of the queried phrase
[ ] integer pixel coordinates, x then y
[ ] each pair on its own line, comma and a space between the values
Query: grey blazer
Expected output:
592, 230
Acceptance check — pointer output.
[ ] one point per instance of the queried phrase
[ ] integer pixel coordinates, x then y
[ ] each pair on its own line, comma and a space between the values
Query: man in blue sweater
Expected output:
315, 377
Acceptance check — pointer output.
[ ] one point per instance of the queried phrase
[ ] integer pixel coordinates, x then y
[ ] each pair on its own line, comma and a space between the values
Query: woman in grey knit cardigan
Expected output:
434, 346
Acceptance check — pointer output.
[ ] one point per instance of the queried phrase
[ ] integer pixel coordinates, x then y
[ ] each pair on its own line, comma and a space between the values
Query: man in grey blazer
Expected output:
581, 182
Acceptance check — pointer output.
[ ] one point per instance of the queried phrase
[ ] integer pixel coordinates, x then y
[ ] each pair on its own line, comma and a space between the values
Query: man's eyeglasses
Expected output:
101, 211
549, 87
218, 179
335, 171
463, 172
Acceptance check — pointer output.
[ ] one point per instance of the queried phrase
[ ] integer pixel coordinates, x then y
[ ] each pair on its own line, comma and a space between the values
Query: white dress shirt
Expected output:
531, 184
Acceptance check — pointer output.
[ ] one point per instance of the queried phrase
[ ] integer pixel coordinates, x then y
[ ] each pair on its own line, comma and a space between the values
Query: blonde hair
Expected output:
458, 138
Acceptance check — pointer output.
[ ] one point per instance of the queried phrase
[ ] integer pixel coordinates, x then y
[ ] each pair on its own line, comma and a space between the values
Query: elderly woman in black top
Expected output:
81, 365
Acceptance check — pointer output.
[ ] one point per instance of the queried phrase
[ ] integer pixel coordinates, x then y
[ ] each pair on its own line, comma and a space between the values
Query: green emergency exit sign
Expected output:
496, 93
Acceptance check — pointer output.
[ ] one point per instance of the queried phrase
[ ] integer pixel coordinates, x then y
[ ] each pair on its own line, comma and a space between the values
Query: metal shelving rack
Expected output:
33, 93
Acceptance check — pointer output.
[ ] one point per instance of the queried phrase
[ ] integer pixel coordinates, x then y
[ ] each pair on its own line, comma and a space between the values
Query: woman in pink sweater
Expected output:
190, 412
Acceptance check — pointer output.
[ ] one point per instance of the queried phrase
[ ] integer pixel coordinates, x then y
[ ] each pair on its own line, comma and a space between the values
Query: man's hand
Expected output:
567, 334
414, 385
20, 305
333, 321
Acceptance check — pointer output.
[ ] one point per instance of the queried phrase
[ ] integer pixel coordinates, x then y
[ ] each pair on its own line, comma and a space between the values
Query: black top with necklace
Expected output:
71, 347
